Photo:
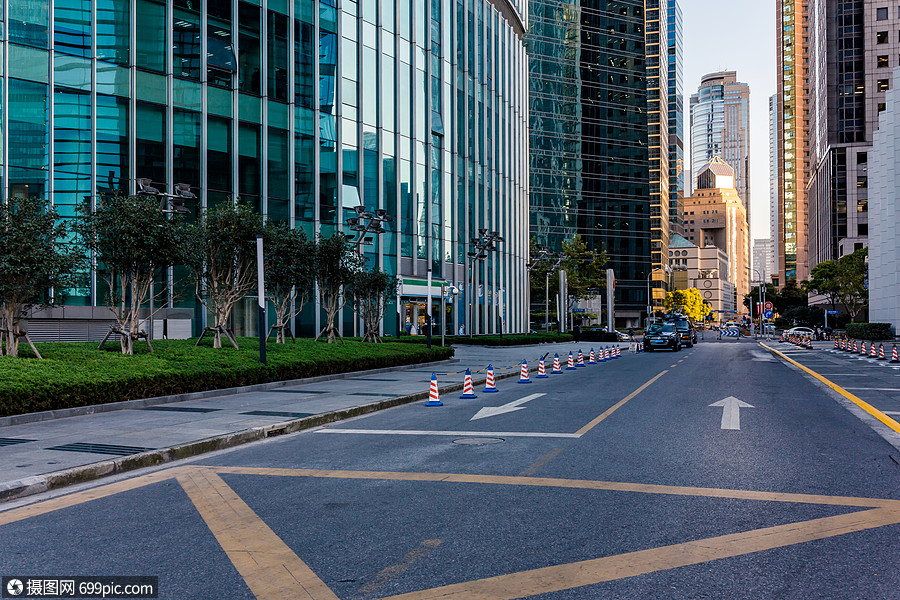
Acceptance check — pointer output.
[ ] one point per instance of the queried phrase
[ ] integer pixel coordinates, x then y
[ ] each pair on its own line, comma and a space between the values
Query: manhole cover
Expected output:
478, 441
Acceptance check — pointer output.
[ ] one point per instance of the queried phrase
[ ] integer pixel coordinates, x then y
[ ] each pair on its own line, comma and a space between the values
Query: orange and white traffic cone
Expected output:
862, 349
881, 355
836, 345
523, 377
489, 387
894, 357
468, 388
571, 365
556, 368
591, 360
855, 347
809, 343
541, 373
434, 399
580, 359
873, 353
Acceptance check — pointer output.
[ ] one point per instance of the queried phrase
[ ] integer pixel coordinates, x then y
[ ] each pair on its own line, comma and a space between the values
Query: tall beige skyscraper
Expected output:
720, 127
793, 126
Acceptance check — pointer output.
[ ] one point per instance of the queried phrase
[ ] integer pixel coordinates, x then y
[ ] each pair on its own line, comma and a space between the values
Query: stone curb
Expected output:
29, 486
61, 413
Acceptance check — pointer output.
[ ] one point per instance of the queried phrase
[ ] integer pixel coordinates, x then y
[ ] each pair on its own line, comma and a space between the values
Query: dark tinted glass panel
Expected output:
113, 35
248, 49
150, 143
151, 35
72, 149
112, 144
186, 44
277, 56
219, 154
304, 84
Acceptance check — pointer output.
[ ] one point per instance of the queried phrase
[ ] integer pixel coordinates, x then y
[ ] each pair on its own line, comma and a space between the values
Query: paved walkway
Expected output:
46, 454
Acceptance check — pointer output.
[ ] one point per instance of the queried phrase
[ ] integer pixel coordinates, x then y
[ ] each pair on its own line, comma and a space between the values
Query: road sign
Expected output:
768, 314
831, 312
579, 311
768, 306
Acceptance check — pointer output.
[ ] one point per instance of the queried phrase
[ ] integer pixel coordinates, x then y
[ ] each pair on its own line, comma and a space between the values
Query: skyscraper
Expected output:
720, 126
772, 268
677, 177
305, 111
599, 135
792, 65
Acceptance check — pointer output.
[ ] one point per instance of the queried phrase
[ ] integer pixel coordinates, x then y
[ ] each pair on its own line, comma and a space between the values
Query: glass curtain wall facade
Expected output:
676, 118
303, 109
591, 117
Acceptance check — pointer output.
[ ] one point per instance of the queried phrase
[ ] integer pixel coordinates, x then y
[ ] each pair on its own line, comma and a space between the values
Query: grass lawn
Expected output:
77, 374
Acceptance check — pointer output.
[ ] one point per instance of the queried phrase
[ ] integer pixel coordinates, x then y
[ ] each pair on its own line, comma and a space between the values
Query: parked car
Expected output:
662, 335
801, 331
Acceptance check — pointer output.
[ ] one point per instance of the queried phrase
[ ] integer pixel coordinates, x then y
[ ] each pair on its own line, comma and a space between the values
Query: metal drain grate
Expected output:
101, 448
275, 413
12, 441
187, 409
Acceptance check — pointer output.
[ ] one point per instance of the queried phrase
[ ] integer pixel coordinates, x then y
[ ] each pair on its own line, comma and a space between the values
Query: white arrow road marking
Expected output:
731, 411
493, 411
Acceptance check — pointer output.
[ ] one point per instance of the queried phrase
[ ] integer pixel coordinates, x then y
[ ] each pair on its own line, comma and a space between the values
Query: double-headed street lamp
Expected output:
552, 261
173, 203
366, 222
481, 246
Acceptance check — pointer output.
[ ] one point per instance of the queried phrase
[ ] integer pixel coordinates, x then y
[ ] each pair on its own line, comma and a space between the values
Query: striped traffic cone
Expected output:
809, 345
894, 357
571, 365
468, 388
434, 399
862, 349
580, 362
836, 344
591, 360
556, 369
873, 353
855, 348
489, 387
618, 351
607, 355
541, 373
523, 378
881, 355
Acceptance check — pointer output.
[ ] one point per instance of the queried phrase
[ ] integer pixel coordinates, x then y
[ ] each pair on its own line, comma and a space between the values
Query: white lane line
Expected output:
450, 433
873, 389
891, 412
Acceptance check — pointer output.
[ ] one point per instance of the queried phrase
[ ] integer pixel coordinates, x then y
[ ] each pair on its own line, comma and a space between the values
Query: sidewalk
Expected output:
59, 449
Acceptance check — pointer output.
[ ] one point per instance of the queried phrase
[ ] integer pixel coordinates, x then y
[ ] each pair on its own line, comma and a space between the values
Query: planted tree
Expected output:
133, 240
823, 280
852, 274
369, 291
337, 263
689, 302
585, 273
33, 259
222, 258
290, 274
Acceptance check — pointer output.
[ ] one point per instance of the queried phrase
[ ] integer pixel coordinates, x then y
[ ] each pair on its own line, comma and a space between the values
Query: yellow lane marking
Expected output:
386, 574
893, 424
47, 506
587, 484
541, 462
618, 405
589, 572
270, 569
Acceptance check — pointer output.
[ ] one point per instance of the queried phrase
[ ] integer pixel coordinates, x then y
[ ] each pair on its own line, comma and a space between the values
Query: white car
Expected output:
802, 331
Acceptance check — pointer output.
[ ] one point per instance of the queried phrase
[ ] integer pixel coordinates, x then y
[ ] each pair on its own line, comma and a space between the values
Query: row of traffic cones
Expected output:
860, 348
608, 353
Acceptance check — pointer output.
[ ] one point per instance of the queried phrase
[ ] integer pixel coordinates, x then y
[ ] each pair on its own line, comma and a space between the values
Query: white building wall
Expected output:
884, 192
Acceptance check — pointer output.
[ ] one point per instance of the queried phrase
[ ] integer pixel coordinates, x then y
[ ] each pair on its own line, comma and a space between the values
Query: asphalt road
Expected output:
587, 490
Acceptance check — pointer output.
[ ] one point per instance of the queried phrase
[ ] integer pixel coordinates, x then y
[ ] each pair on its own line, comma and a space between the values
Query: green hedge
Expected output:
523, 339
870, 331
77, 374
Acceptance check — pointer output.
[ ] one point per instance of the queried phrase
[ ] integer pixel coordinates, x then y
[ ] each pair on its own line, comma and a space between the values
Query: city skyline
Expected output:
713, 43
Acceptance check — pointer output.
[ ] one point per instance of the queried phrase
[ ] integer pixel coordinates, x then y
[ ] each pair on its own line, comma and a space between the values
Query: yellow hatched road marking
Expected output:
893, 424
269, 567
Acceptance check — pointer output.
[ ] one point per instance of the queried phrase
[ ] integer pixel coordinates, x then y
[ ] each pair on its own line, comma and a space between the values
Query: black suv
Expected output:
686, 332
662, 335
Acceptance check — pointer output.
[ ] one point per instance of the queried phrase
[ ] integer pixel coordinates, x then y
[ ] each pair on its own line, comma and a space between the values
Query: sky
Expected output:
736, 36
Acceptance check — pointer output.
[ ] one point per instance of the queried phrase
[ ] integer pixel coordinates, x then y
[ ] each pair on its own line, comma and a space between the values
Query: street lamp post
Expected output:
481, 246
762, 300
665, 268
545, 257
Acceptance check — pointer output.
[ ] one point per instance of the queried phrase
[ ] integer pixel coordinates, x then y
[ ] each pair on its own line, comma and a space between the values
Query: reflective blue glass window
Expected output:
112, 144
407, 207
186, 43
151, 36
29, 23
71, 149
113, 31
28, 124
388, 81
249, 65
186, 157
150, 143
278, 165
249, 171
304, 77
72, 27
220, 61
277, 46
304, 157
219, 151
370, 87
327, 71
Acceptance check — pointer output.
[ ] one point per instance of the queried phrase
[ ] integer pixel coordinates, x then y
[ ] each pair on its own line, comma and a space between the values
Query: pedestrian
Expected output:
576, 333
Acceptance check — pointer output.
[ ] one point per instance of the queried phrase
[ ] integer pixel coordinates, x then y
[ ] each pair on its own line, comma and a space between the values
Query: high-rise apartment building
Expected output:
305, 110
720, 127
793, 124
762, 259
676, 117
599, 136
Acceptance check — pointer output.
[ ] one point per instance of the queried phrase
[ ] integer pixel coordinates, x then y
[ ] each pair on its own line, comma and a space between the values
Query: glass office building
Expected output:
599, 137
303, 109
